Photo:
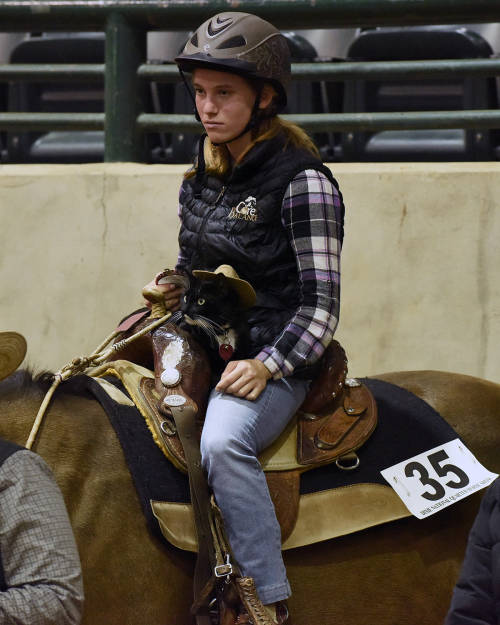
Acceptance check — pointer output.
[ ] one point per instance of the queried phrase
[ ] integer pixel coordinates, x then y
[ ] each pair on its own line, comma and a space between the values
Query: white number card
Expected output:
437, 478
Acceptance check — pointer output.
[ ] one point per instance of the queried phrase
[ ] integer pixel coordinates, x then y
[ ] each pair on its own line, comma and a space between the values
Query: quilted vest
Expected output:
238, 222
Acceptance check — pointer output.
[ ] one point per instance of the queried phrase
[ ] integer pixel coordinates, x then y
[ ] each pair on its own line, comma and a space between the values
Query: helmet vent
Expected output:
233, 42
218, 25
194, 40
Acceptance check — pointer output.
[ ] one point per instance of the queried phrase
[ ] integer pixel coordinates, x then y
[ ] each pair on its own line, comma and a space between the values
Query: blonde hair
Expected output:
217, 158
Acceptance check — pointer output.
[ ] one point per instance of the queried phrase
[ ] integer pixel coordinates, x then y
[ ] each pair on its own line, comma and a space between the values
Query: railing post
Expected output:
124, 91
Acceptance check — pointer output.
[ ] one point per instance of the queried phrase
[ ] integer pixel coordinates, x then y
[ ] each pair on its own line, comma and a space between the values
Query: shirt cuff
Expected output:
273, 361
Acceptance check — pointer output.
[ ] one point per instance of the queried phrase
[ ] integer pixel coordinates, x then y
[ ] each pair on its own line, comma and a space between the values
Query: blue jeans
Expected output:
235, 432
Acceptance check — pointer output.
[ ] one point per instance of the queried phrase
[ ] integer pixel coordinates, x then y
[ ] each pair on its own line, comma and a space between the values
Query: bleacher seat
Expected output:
419, 43
52, 97
3, 135
306, 96
70, 97
88, 146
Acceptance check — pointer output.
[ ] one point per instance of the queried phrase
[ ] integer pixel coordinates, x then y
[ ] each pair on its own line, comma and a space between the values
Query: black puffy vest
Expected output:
238, 222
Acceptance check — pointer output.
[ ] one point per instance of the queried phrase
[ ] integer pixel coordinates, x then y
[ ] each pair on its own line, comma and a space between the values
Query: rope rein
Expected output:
83, 363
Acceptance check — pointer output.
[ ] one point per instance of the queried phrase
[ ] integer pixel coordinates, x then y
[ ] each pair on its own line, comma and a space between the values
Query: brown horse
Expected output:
402, 572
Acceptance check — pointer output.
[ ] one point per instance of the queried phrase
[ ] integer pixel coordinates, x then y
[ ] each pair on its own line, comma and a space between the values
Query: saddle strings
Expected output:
102, 353
82, 364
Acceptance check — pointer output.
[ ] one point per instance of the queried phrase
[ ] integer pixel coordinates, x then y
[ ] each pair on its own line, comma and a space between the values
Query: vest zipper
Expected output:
219, 197
205, 218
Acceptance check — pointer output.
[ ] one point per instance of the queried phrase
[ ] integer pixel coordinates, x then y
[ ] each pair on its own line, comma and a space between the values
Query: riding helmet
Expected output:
242, 44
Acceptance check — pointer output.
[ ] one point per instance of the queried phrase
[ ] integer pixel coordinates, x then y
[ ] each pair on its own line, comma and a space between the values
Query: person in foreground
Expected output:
40, 573
260, 200
476, 596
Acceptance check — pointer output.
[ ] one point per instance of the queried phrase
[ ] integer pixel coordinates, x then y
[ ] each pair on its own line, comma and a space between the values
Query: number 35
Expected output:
441, 470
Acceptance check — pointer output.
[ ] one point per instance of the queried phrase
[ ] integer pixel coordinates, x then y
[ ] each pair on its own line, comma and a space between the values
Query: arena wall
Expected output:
420, 284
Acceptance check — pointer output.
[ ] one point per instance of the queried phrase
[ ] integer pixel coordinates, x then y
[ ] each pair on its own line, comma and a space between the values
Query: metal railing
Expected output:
126, 74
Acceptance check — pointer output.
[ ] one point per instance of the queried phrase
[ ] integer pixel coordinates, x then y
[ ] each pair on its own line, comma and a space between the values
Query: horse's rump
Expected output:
401, 572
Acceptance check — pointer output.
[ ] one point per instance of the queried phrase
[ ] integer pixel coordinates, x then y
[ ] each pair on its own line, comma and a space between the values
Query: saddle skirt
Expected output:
309, 441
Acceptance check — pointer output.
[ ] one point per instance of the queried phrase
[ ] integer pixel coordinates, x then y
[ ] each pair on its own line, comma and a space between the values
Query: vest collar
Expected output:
257, 157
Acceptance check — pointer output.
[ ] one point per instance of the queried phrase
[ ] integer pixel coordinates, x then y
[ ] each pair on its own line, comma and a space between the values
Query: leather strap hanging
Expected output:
215, 560
184, 417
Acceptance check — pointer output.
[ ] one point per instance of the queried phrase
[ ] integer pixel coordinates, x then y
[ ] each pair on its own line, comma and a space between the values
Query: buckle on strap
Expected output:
224, 570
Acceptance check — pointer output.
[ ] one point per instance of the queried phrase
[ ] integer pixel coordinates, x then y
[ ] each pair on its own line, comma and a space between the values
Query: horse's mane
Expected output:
26, 382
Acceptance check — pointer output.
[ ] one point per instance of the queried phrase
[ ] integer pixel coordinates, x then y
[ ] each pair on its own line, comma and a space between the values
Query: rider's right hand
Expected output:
172, 293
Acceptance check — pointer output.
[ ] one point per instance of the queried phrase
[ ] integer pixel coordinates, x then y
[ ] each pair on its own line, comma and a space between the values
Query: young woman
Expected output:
259, 199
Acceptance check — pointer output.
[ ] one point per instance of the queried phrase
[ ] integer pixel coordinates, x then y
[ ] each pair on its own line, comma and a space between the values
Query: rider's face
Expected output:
224, 102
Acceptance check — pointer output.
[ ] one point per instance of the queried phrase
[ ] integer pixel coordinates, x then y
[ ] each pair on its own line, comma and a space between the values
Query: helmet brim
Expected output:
188, 63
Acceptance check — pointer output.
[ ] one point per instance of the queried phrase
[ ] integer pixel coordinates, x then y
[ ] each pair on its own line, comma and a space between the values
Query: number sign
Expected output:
437, 478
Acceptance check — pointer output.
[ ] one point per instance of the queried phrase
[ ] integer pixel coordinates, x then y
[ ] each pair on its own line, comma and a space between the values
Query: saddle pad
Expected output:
154, 477
333, 502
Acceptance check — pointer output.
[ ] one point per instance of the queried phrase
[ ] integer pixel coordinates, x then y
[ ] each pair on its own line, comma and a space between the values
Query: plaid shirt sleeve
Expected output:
311, 215
38, 550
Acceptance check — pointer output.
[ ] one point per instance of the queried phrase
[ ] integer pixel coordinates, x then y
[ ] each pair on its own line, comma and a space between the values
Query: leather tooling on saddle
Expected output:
337, 416
314, 499
344, 416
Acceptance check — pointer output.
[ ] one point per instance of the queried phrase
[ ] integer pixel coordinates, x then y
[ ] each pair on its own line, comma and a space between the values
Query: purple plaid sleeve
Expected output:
311, 214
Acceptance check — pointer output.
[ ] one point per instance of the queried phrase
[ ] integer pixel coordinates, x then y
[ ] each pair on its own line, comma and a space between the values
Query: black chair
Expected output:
303, 95
180, 147
419, 43
309, 97
163, 101
57, 97
70, 97
3, 135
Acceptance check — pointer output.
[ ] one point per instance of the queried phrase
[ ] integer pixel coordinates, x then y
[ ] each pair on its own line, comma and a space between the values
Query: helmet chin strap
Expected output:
188, 89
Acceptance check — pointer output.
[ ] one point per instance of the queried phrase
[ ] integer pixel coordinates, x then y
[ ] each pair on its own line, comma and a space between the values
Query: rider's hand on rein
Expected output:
172, 294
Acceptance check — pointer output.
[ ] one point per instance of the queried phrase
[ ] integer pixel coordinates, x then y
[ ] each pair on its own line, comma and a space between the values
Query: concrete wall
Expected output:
419, 290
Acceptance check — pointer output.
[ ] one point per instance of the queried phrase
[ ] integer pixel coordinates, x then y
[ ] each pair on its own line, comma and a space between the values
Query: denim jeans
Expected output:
235, 432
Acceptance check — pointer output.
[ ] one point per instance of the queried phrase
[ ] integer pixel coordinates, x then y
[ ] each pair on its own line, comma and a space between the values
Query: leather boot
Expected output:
281, 617
253, 611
